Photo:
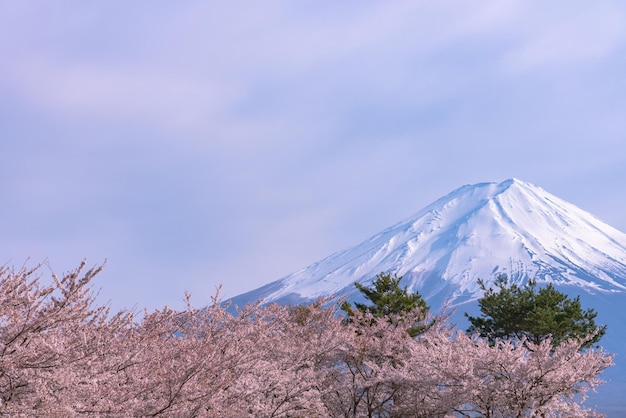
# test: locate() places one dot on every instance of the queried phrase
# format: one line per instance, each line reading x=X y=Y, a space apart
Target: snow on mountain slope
x=477 y=231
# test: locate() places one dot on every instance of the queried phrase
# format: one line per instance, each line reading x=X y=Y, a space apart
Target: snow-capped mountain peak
x=477 y=231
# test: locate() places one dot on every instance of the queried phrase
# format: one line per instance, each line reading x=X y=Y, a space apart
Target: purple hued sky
x=192 y=144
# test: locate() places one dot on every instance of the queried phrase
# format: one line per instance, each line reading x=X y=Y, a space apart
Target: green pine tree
x=511 y=311
x=389 y=300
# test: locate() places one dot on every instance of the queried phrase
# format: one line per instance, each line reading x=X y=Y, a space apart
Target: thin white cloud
x=561 y=36
x=118 y=94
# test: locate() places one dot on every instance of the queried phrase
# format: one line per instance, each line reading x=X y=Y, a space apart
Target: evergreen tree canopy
x=389 y=299
x=517 y=312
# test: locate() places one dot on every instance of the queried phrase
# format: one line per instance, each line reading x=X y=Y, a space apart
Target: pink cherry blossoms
x=60 y=355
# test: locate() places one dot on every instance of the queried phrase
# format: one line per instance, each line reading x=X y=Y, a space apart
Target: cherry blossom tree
x=519 y=378
x=294 y=351
x=49 y=334
x=61 y=355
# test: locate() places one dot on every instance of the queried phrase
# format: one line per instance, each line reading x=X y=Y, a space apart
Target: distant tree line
x=61 y=355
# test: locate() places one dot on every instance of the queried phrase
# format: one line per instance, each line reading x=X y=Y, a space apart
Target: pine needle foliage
x=389 y=300
x=513 y=312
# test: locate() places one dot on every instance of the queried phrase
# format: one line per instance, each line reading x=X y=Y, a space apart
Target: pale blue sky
x=198 y=143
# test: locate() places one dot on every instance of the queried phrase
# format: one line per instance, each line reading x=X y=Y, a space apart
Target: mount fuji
x=477 y=231
x=481 y=231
